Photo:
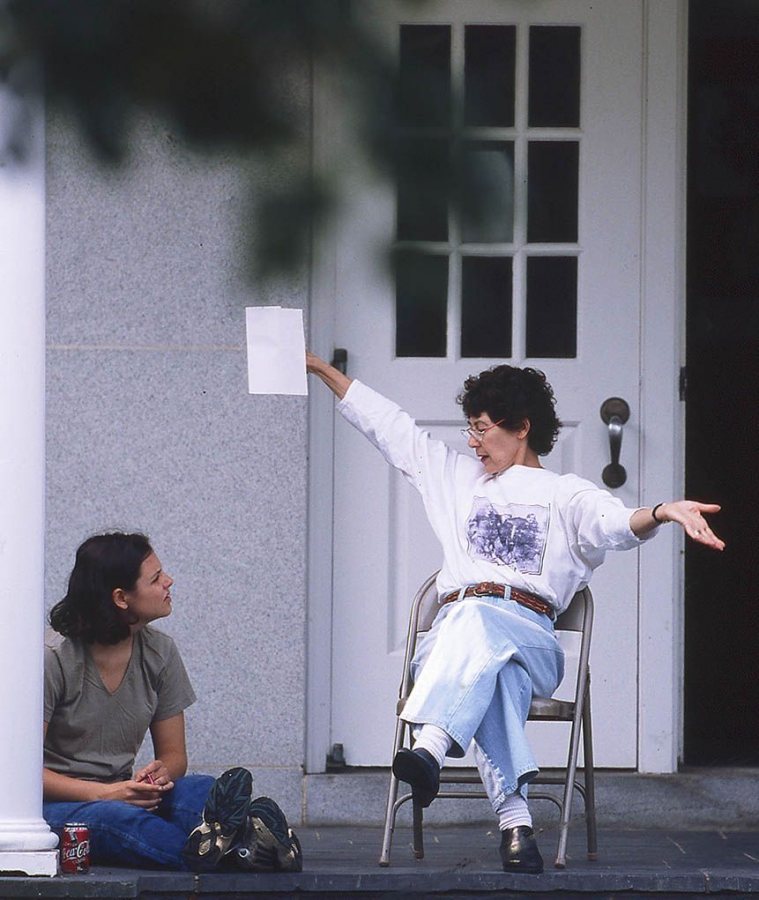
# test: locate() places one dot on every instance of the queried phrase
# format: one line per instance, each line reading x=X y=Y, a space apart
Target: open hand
x=690 y=515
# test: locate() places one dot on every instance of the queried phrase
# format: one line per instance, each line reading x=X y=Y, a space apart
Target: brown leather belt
x=493 y=589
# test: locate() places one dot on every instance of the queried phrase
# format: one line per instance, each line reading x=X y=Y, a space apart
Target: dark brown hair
x=103 y=563
x=510 y=395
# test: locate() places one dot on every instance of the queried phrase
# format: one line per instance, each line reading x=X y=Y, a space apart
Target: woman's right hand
x=335 y=380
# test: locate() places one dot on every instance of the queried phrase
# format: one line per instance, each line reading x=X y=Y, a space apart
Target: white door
x=544 y=108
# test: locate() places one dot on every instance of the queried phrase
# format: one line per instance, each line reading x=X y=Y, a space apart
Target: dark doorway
x=722 y=437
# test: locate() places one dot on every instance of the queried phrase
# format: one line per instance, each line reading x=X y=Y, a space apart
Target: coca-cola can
x=75 y=849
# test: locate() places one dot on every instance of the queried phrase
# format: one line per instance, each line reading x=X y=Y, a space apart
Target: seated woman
x=109 y=679
x=517 y=542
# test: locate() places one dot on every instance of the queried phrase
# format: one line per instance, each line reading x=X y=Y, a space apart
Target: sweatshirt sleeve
x=398 y=438
x=599 y=521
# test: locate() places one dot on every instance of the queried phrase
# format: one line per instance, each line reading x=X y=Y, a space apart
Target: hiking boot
x=224 y=816
x=268 y=844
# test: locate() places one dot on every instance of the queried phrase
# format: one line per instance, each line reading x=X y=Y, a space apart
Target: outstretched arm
x=687 y=513
x=403 y=444
x=335 y=380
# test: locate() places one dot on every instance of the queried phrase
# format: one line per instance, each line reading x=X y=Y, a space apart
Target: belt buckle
x=483 y=589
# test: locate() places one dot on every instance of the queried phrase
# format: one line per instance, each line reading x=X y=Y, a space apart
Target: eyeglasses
x=478 y=434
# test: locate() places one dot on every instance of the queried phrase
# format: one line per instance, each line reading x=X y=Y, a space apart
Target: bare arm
x=64 y=788
x=170 y=751
x=335 y=380
x=687 y=513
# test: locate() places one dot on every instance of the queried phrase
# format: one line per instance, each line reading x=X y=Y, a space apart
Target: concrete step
x=693 y=798
x=341 y=862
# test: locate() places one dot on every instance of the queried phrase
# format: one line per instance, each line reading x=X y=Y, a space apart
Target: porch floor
x=461 y=862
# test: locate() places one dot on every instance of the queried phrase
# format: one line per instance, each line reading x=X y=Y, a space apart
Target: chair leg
x=566 y=809
x=390 y=814
x=569 y=785
x=418 y=829
x=590 y=787
x=392 y=796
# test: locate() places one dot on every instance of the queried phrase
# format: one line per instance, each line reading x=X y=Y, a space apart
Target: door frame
x=662 y=269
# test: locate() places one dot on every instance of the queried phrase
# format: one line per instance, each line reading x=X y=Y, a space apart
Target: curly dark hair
x=512 y=395
x=103 y=563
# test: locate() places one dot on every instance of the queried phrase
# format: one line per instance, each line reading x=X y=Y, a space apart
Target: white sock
x=513 y=812
x=435 y=741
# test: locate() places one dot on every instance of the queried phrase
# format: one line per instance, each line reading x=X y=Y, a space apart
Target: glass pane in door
x=554 y=79
x=421 y=302
x=422 y=208
x=486 y=300
x=489 y=75
x=552 y=306
x=487 y=192
x=424 y=76
x=552 y=169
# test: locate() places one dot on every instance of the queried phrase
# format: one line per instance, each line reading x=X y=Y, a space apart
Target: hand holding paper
x=276 y=350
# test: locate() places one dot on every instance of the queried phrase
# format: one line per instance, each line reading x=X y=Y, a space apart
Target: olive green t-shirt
x=93 y=734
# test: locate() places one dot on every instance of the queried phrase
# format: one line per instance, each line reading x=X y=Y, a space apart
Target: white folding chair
x=577 y=618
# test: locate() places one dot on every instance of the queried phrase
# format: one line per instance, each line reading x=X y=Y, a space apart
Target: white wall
x=150 y=427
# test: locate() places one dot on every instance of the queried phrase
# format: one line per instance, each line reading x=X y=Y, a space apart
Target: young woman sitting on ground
x=109 y=677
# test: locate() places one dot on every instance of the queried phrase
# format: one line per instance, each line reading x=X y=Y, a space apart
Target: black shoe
x=519 y=851
x=419 y=769
x=268 y=844
x=224 y=815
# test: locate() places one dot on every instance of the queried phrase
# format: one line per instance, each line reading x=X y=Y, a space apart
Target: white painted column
x=26 y=843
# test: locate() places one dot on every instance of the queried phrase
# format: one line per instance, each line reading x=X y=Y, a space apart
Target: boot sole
x=224 y=813
x=287 y=854
x=407 y=767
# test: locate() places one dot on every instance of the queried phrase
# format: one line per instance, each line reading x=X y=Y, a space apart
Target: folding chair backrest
x=578 y=617
x=427 y=606
x=575 y=616
x=424 y=608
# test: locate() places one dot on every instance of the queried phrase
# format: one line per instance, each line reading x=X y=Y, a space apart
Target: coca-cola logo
x=77 y=851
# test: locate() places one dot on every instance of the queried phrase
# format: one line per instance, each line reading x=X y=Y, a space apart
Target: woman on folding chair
x=518 y=542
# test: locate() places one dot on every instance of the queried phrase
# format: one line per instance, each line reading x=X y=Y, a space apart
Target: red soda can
x=75 y=849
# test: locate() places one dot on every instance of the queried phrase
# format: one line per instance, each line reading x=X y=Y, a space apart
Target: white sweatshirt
x=525 y=527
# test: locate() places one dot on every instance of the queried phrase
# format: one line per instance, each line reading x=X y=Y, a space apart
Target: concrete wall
x=150 y=427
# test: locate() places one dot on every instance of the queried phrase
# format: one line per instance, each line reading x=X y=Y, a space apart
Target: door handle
x=615 y=412
x=340 y=359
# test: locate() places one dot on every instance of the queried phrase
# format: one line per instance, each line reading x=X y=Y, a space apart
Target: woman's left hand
x=690 y=515
x=155 y=773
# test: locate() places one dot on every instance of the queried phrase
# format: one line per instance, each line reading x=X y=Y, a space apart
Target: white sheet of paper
x=276 y=350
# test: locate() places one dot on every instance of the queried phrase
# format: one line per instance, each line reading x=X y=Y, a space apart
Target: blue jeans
x=126 y=835
x=475 y=673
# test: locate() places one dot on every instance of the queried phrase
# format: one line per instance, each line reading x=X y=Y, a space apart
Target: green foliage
x=224 y=75
x=216 y=70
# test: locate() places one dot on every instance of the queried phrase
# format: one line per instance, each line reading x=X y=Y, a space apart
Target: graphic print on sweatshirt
x=512 y=535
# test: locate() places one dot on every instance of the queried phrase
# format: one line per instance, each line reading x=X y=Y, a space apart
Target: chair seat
x=550 y=709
